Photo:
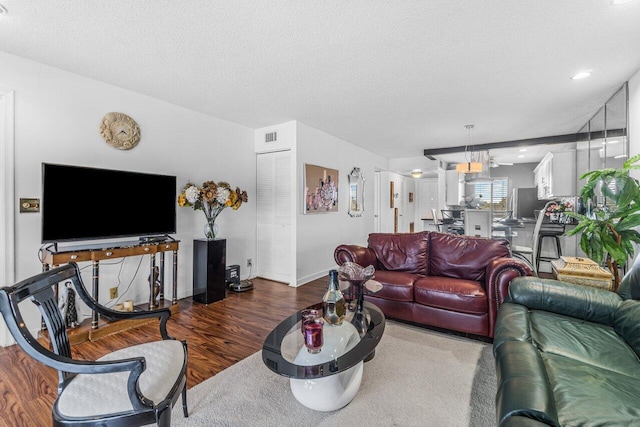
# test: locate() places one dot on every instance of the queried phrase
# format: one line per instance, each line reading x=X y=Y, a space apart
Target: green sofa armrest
x=523 y=386
x=519 y=421
x=569 y=299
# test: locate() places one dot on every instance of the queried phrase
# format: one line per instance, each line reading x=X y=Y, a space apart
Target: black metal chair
x=524 y=252
x=552 y=231
x=133 y=386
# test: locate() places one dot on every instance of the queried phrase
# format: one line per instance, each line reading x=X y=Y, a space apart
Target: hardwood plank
x=218 y=335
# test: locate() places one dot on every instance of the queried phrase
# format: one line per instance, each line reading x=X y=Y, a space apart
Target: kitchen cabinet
x=455 y=188
x=555 y=175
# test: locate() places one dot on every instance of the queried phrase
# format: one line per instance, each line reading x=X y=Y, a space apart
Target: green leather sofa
x=568 y=355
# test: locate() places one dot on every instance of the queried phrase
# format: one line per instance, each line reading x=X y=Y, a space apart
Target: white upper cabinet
x=555 y=175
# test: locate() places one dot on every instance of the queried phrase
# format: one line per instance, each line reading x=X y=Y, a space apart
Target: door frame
x=7 y=195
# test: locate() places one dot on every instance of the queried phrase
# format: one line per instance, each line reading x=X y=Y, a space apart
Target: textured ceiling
x=393 y=76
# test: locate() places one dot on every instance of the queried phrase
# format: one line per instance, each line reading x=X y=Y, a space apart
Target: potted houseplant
x=608 y=230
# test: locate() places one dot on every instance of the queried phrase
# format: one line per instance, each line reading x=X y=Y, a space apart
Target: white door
x=427 y=200
x=274 y=223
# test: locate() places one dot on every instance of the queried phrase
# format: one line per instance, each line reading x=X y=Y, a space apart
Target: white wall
x=57 y=115
x=520 y=175
x=319 y=234
x=634 y=119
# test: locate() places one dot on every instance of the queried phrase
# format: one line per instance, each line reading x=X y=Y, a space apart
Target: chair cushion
x=100 y=394
x=522 y=249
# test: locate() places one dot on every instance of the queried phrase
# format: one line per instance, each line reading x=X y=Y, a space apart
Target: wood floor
x=219 y=335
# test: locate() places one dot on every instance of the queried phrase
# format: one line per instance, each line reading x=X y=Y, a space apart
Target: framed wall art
x=320 y=189
x=356 y=192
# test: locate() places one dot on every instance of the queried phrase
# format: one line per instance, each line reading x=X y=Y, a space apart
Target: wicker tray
x=582 y=271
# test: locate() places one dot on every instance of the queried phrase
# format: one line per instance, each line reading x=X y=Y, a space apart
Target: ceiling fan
x=495 y=164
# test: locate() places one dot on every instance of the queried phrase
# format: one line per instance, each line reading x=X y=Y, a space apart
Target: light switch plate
x=29 y=205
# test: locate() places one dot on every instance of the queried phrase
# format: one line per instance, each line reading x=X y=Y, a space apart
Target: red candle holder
x=308 y=315
x=313 y=339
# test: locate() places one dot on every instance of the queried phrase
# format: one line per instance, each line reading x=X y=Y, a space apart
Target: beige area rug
x=418 y=377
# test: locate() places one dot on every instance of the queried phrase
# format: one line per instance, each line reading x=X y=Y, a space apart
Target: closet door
x=274 y=210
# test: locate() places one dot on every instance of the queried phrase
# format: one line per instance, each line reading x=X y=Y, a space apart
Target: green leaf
x=630 y=221
x=628 y=164
x=592 y=246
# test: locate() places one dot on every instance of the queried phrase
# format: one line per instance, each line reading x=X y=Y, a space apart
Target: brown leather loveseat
x=438 y=279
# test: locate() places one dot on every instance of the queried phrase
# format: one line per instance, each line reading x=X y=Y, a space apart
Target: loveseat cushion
x=405 y=252
x=396 y=285
x=589 y=343
x=592 y=343
x=588 y=395
x=465 y=296
x=463 y=257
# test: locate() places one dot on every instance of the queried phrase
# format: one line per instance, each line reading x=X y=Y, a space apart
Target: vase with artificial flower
x=556 y=212
x=211 y=198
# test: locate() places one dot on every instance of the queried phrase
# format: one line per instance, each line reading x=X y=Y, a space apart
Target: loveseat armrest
x=524 y=389
x=498 y=275
x=521 y=421
x=354 y=253
x=569 y=299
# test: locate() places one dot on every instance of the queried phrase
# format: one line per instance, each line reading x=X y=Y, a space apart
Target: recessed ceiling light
x=615 y=141
x=522 y=150
x=619 y=2
x=520 y=156
x=581 y=75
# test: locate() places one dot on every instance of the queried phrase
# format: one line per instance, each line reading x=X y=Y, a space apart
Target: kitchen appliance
x=524 y=201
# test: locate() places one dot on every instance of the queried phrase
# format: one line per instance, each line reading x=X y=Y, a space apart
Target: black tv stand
x=54 y=256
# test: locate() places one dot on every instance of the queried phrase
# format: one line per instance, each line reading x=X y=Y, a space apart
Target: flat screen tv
x=84 y=203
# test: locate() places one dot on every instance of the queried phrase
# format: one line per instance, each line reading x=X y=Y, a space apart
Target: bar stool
x=553 y=231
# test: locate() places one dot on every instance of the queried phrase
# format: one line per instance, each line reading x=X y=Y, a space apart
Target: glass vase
x=210 y=229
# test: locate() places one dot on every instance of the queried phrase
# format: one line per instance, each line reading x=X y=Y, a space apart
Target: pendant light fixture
x=470 y=166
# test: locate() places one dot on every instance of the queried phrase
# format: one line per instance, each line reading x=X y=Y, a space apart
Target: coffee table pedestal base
x=329 y=393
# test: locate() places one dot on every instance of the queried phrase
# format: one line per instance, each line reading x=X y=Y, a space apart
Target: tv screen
x=83 y=203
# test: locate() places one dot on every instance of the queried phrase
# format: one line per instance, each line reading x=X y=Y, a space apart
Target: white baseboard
x=311 y=277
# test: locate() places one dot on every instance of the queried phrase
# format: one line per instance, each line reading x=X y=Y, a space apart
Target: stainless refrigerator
x=524 y=201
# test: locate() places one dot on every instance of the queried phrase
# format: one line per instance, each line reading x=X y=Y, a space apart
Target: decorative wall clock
x=120 y=131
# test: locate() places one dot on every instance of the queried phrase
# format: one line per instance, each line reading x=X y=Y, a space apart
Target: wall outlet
x=249 y=262
x=113 y=292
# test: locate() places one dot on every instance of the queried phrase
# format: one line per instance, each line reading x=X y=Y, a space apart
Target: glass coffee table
x=328 y=380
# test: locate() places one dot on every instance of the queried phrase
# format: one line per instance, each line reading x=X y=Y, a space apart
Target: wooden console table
x=52 y=257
